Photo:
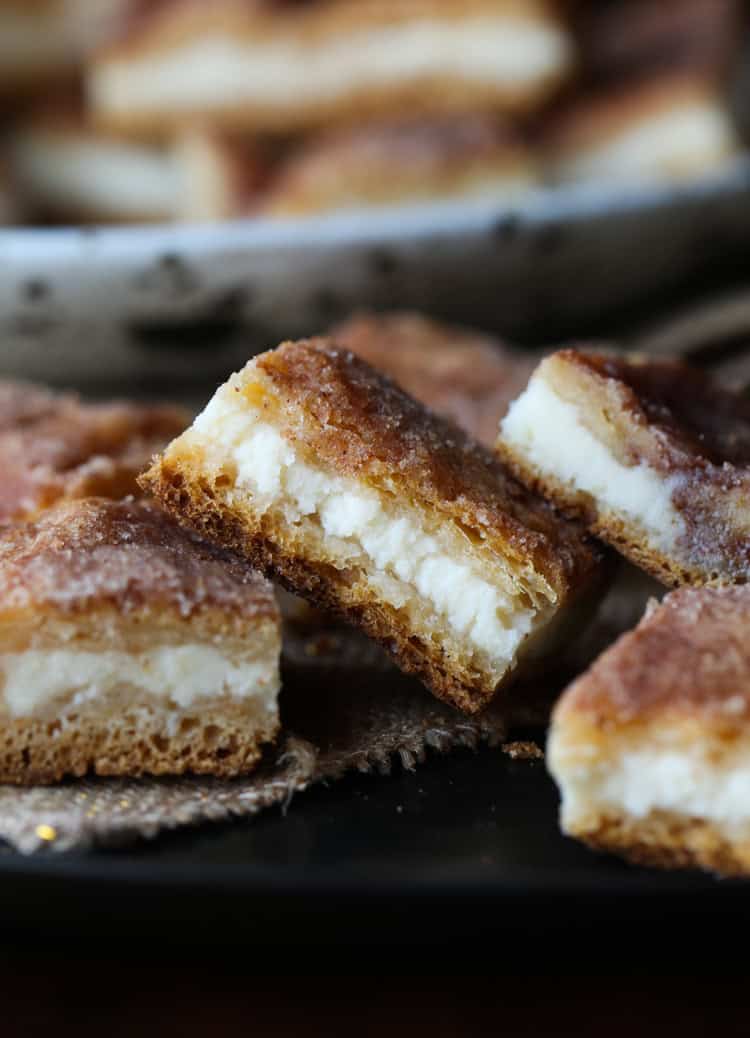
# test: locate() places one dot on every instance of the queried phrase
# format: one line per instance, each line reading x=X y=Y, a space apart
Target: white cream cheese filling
x=681 y=141
x=547 y=432
x=180 y=674
x=402 y=559
x=639 y=782
x=219 y=70
x=102 y=177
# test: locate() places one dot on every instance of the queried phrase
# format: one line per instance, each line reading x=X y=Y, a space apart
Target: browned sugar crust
x=56 y=447
x=363 y=425
x=670 y=841
x=688 y=657
x=460 y=374
x=700 y=419
x=681 y=423
x=175 y=23
x=95 y=555
x=360 y=424
x=222 y=741
x=397 y=159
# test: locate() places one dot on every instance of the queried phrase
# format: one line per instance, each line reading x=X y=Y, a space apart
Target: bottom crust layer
x=667 y=840
x=143 y=740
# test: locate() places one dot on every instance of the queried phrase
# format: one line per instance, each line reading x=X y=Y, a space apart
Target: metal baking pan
x=176 y=303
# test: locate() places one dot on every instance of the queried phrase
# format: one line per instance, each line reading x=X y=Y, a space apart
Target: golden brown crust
x=94 y=555
x=688 y=430
x=669 y=841
x=696 y=418
x=688 y=658
x=362 y=425
x=388 y=161
x=56 y=447
x=222 y=741
x=464 y=375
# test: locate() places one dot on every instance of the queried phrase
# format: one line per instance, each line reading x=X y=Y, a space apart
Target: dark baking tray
x=466 y=846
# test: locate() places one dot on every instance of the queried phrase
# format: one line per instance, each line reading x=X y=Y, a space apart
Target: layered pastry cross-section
x=459 y=373
x=651 y=747
x=127 y=647
x=265 y=65
x=323 y=473
x=54 y=446
x=652 y=455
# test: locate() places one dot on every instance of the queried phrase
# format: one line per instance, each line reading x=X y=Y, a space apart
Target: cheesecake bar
x=54 y=446
x=653 y=456
x=326 y=475
x=664 y=128
x=264 y=65
x=651 y=747
x=129 y=648
x=402 y=161
x=459 y=373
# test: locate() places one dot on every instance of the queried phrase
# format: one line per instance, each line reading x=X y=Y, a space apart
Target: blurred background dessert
x=195 y=112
